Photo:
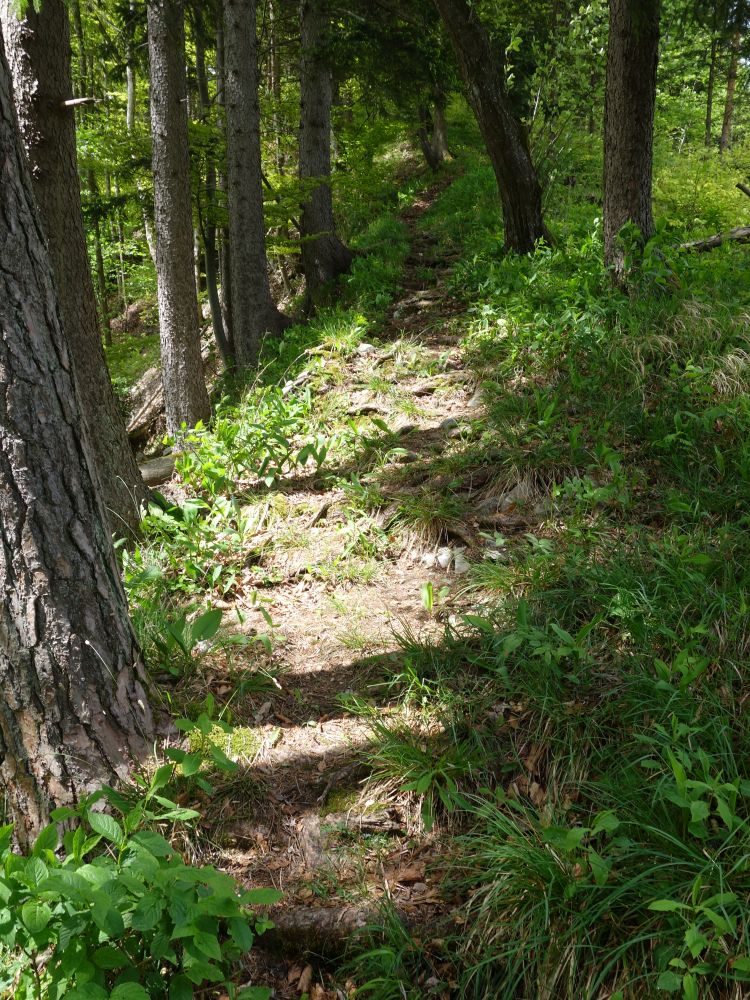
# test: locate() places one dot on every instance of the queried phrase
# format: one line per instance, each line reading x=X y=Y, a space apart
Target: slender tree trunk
x=324 y=256
x=726 y=128
x=630 y=97
x=40 y=60
x=225 y=270
x=101 y=276
x=208 y=220
x=710 y=91
x=275 y=78
x=74 y=712
x=254 y=312
x=130 y=83
x=83 y=63
x=182 y=367
x=507 y=146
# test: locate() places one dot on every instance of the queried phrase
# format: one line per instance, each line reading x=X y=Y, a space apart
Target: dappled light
x=374 y=487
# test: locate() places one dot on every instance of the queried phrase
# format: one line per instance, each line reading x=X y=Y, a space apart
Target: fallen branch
x=739 y=235
x=744 y=188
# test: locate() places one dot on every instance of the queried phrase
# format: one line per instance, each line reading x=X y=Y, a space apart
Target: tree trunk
x=130 y=79
x=254 y=312
x=324 y=256
x=225 y=271
x=208 y=220
x=630 y=97
x=39 y=52
x=74 y=712
x=520 y=192
x=433 y=135
x=710 y=91
x=726 y=129
x=185 y=393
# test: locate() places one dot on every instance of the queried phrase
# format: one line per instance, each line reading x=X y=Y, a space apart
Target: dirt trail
x=301 y=818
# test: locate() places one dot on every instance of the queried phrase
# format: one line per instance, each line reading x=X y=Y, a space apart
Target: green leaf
x=180 y=988
x=47 y=840
x=35 y=871
x=741 y=964
x=208 y=944
x=106 y=917
x=109 y=958
x=699 y=811
x=605 y=822
x=191 y=764
x=241 y=934
x=206 y=625
x=200 y=972
x=147 y=913
x=670 y=982
x=129 y=991
x=106 y=826
x=35 y=915
x=261 y=897
x=86 y=991
x=255 y=993
x=695 y=941
x=154 y=842
x=666 y=906
x=689 y=987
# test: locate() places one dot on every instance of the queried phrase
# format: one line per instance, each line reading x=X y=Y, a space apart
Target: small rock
x=448 y=424
x=460 y=563
x=444 y=558
x=476 y=400
x=365 y=348
x=429 y=559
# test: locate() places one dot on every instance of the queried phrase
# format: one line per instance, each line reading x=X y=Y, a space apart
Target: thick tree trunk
x=39 y=52
x=182 y=368
x=74 y=712
x=324 y=256
x=726 y=128
x=520 y=192
x=254 y=312
x=630 y=97
x=710 y=91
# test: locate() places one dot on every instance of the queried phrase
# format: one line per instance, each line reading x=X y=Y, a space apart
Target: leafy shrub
x=116 y=913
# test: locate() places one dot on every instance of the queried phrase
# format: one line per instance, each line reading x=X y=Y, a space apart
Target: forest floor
x=307 y=816
x=478 y=537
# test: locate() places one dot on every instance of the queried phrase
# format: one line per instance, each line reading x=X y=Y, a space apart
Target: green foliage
x=114 y=911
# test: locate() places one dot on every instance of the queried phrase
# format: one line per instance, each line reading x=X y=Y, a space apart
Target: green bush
x=115 y=912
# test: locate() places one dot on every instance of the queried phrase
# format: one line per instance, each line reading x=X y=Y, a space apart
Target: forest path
x=303 y=815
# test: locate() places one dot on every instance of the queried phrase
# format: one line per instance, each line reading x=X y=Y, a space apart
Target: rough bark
x=520 y=192
x=39 y=56
x=74 y=712
x=726 y=128
x=130 y=84
x=208 y=219
x=225 y=270
x=433 y=135
x=254 y=312
x=324 y=256
x=741 y=234
x=630 y=97
x=179 y=327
